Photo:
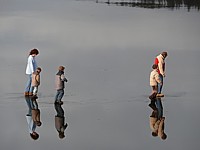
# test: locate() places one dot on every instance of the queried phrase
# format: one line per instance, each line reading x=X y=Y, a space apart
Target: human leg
x=159 y=107
x=160 y=85
x=59 y=96
x=28 y=84
x=154 y=93
x=35 y=90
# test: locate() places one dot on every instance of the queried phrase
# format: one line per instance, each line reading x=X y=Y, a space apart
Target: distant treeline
x=195 y=4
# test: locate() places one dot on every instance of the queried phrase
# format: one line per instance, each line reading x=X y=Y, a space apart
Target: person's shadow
x=60 y=124
x=156 y=119
x=32 y=116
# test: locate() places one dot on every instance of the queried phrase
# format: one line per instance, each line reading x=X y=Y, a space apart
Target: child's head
x=61 y=68
x=154 y=134
x=61 y=135
x=164 y=136
x=155 y=66
x=38 y=69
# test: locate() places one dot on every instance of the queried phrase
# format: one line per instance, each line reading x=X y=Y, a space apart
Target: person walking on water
x=60 y=85
x=160 y=61
x=30 y=68
x=154 y=81
x=36 y=81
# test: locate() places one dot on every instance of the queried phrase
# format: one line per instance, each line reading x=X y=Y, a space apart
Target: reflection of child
x=36 y=80
x=154 y=80
x=60 y=85
x=157 y=126
x=60 y=121
x=35 y=112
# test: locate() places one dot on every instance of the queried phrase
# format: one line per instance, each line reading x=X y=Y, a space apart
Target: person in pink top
x=160 y=61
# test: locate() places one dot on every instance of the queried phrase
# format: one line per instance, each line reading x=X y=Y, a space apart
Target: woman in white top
x=30 y=68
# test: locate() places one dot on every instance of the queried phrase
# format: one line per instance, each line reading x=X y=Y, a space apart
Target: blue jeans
x=160 y=85
x=159 y=107
x=28 y=87
x=28 y=101
x=59 y=110
x=59 y=95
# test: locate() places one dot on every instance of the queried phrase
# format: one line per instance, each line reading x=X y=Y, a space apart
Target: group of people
x=157 y=75
x=34 y=121
x=33 y=72
x=31 y=89
x=156 y=82
x=31 y=96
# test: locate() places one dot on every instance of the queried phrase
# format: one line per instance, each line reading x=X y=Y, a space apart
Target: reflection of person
x=60 y=85
x=60 y=121
x=152 y=121
x=154 y=80
x=36 y=81
x=30 y=68
x=159 y=107
x=35 y=112
x=31 y=124
x=156 y=119
x=160 y=124
x=160 y=61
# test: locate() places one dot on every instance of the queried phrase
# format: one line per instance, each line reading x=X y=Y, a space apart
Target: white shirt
x=31 y=65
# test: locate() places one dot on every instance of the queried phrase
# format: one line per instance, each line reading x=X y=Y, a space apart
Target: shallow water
x=108 y=52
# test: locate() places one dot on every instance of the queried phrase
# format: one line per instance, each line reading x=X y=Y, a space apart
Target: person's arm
x=30 y=64
x=62 y=77
x=31 y=125
x=157 y=78
x=156 y=61
x=38 y=79
x=161 y=69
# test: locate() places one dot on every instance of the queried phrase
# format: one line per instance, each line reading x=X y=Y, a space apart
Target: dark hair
x=61 y=68
x=34 y=51
x=34 y=136
x=154 y=134
x=61 y=135
x=164 y=54
x=154 y=66
x=164 y=136
x=38 y=68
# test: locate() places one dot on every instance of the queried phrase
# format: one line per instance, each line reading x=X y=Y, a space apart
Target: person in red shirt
x=160 y=61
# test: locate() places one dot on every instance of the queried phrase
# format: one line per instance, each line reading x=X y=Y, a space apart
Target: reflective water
x=108 y=52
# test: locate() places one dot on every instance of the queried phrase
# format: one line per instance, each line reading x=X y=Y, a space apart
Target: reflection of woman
x=31 y=124
x=60 y=120
x=30 y=68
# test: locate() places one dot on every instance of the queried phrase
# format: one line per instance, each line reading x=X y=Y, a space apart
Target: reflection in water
x=60 y=124
x=33 y=116
x=156 y=118
x=155 y=3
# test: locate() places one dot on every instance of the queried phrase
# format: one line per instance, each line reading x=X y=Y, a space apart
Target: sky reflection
x=108 y=53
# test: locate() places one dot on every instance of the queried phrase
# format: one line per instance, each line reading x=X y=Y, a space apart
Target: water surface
x=108 y=52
